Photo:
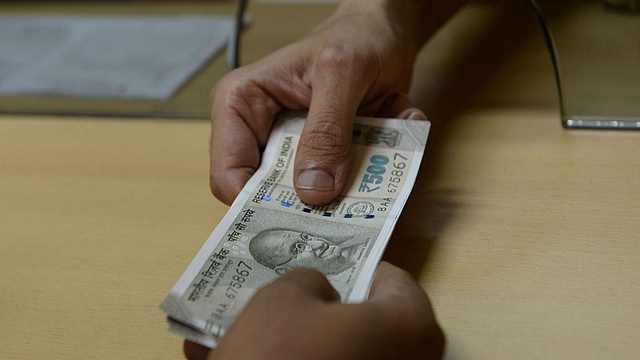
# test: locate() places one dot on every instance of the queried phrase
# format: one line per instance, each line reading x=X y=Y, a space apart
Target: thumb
x=400 y=298
x=275 y=315
x=300 y=284
x=394 y=285
x=322 y=162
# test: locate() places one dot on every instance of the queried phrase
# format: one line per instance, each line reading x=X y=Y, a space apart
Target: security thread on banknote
x=268 y=230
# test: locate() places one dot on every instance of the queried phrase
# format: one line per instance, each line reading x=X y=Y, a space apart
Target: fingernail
x=417 y=115
x=315 y=180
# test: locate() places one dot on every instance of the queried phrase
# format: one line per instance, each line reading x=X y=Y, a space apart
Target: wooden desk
x=525 y=235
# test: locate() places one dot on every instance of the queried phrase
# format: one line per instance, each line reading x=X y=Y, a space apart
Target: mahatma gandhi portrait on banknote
x=276 y=243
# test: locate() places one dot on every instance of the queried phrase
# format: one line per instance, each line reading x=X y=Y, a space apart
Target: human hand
x=358 y=61
x=299 y=316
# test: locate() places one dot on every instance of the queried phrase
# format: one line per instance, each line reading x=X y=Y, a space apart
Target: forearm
x=415 y=21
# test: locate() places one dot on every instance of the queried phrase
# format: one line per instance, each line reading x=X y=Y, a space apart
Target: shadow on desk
x=479 y=59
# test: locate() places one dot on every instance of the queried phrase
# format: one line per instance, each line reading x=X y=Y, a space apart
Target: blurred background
x=125 y=58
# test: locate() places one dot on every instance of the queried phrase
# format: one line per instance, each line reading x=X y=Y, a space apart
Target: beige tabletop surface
x=526 y=236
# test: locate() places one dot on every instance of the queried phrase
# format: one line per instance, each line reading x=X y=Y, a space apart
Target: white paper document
x=122 y=57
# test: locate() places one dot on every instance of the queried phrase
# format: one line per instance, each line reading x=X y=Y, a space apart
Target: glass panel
x=595 y=45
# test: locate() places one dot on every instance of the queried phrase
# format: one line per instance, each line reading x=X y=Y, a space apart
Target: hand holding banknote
x=299 y=316
x=269 y=231
x=357 y=61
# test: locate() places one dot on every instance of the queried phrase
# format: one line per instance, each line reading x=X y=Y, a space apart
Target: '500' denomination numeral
x=374 y=173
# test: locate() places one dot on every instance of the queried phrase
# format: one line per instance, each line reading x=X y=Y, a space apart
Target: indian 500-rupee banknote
x=268 y=230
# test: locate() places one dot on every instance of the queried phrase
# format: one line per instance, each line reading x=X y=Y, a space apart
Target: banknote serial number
x=378 y=164
x=399 y=165
x=238 y=279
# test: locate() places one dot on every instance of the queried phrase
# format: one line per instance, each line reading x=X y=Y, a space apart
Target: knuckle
x=224 y=94
x=222 y=87
x=229 y=89
x=326 y=138
x=336 y=57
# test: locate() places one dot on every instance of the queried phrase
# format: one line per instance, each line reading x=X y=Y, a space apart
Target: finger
x=241 y=119
x=274 y=317
x=322 y=161
x=193 y=351
x=399 y=297
x=392 y=284
x=300 y=284
x=393 y=105
x=412 y=114
x=234 y=158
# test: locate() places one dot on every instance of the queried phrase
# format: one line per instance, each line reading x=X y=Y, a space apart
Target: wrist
x=413 y=21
